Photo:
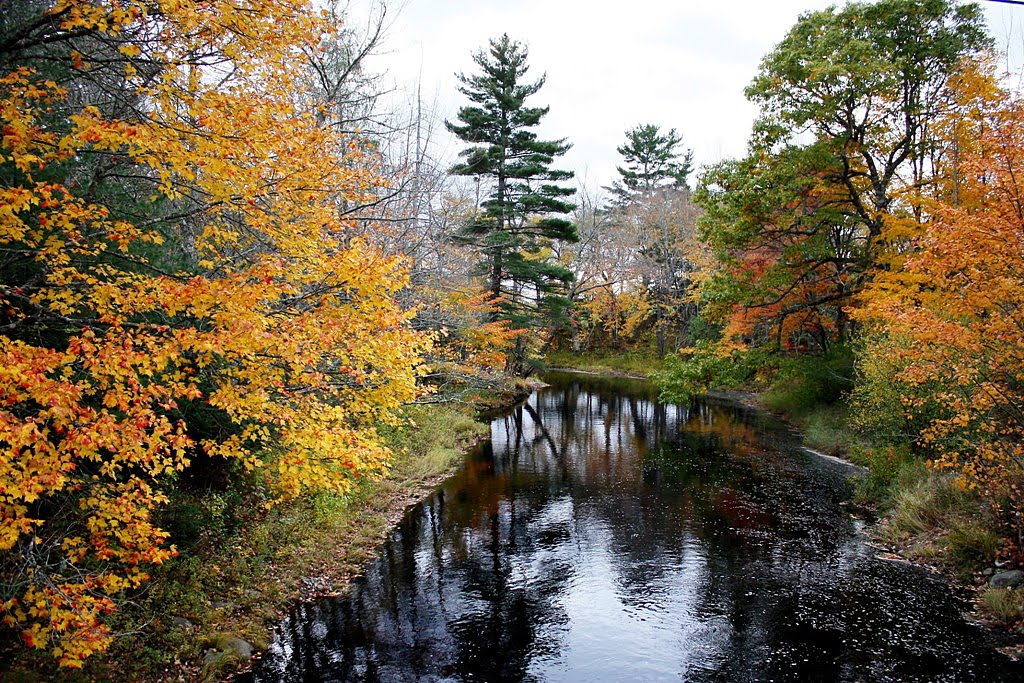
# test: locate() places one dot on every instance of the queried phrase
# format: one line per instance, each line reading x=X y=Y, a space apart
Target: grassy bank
x=608 y=362
x=242 y=564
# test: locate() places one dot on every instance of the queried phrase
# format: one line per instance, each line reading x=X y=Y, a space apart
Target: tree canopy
x=176 y=283
x=841 y=159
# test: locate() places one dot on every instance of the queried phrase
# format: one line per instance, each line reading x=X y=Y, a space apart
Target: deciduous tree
x=171 y=246
x=841 y=160
x=955 y=308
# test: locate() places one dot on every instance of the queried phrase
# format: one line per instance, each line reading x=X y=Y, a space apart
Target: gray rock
x=182 y=623
x=222 y=604
x=235 y=646
x=1007 y=579
x=313 y=584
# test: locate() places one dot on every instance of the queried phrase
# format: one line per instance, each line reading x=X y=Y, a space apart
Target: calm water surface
x=601 y=536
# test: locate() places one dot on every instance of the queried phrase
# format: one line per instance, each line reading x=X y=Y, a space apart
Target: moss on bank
x=242 y=564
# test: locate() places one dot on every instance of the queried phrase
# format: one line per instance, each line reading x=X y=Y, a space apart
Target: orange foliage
x=789 y=259
x=472 y=348
x=789 y=300
x=283 y=322
x=959 y=303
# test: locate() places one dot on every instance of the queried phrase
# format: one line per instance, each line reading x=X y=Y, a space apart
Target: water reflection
x=601 y=536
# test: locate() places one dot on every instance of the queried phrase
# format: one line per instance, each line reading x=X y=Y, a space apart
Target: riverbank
x=926 y=517
x=918 y=514
x=627 y=364
x=242 y=564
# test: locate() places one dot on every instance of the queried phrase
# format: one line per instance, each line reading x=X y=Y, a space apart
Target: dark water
x=601 y=536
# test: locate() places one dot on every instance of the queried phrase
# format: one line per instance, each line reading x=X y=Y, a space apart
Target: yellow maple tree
x=171 y=232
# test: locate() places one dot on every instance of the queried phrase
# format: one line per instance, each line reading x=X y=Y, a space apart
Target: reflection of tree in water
x=441 y=599
x=704 y=520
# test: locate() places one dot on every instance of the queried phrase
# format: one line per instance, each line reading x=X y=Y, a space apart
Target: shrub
x=806 y=382
x=707 y=366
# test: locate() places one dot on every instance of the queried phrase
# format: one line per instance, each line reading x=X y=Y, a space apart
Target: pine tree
x=524 y=208
x=651 y=199
x=652 y=162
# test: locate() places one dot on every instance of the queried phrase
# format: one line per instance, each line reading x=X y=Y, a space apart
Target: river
x=602 y=536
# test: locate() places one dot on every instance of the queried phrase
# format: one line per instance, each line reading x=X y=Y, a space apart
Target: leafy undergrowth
x=241 y=564
x=607 y=362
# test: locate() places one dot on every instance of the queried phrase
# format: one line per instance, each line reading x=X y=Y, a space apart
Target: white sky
x=613 y=64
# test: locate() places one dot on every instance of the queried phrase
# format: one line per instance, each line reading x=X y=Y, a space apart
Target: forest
x=228 y=272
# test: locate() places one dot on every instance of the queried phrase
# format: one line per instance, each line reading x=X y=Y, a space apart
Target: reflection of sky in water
x=656 y=626
x=603 y=537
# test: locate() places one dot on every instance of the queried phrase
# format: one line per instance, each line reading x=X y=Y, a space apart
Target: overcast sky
x=613 y=64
